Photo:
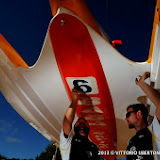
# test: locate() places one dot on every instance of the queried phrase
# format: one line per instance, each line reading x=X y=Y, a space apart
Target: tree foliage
x=2 y=157
x=48 y=154
x=5 y=158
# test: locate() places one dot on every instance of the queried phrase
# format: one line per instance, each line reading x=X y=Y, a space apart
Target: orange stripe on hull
x=79 y=63
x=155 y=23
x=11 y=53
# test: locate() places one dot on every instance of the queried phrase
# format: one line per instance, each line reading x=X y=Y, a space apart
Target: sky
x=24 y=24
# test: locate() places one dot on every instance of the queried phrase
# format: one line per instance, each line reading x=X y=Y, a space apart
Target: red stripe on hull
x=77 y=57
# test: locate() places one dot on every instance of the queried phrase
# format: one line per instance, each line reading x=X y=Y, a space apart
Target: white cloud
x=3 y=126
x=8 y=127
x=13 y=140
x=8 y=130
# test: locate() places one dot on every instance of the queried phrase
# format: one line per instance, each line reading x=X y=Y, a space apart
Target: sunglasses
x=129 y=113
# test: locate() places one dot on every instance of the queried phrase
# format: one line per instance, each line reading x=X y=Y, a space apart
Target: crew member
x=147 y=137
x=74 y=143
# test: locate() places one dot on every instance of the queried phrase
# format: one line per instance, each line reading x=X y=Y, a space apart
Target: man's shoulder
x=143 y=132
x=93 y=145
x=143 y=135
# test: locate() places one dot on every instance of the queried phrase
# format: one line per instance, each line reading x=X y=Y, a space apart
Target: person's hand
x=75 y=95
x=142 y=78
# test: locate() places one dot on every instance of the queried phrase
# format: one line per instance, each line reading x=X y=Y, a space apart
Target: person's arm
x=151 y=93
x=70 y=113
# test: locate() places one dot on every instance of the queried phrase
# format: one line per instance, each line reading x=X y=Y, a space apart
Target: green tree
x=2 y=157
x=48 y=154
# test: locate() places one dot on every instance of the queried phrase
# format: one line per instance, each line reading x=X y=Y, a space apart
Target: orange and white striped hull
x=74 y=54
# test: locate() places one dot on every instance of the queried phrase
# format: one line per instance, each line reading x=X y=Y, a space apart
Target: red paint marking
x=77 y=57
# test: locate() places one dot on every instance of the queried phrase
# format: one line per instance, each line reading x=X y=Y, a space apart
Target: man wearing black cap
x=74 y=144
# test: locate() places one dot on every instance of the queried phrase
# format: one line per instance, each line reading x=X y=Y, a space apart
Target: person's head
x=81 y=127
x=136 y=113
